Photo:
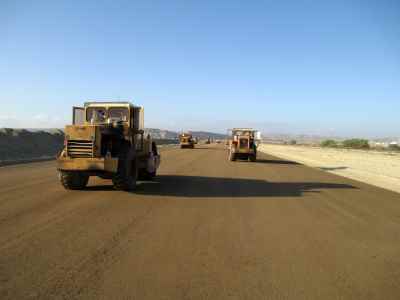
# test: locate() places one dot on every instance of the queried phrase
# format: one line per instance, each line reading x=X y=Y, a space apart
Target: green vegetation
x=394 y=147
x=356 y=144
x=350 y=144
x=293 y=142
x=329 y=143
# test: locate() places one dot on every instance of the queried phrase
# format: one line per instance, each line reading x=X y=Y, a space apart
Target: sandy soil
x=373 y=167
x=206 y=228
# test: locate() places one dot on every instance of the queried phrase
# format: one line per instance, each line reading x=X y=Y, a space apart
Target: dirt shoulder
x=372 y=167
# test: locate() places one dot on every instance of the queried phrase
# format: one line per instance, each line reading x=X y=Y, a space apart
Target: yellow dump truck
x=243 y=144
x=106 y=139
x=186 y=140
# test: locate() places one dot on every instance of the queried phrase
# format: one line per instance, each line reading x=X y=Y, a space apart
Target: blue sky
x=318 y=67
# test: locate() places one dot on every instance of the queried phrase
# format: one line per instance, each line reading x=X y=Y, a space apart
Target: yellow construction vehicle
x=243 y=144
x=186 y=140
x=106 y=139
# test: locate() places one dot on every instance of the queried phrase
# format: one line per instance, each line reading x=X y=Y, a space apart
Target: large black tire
x=127 y=172
x=252 y=157
x=72 y=180
x=232 y=156
x=151 y=175
x=145 y=175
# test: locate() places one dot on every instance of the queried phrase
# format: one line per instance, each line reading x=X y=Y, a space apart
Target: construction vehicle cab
x=107 y=140
x=186 y=140
x=243 y=144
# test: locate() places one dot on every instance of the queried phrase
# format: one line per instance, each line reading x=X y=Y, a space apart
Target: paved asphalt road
x=205 y=229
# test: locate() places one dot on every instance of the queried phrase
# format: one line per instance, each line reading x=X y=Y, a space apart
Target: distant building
x=379 y=144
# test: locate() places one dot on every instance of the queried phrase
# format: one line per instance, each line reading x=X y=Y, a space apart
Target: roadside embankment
x=23 y=146
x=373 y=167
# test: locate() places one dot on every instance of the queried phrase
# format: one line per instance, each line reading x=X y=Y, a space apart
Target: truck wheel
x=232 y=156
x=127 y=172
x=152 y=175
x=145 y=175
x=148 y=175
x=252 y=158
x=73 y=180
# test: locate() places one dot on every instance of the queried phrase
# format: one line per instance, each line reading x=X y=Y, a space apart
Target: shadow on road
x=198 y=186
x=277 y=161
x=208 y=148
x=333 y=168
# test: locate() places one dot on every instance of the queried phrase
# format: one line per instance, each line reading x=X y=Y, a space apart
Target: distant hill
x=166 y=134
x=161 y=134
x=206 y=134
x=299 y=138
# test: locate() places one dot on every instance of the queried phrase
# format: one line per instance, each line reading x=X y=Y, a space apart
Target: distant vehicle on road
x=186 y=140
x=243 y=144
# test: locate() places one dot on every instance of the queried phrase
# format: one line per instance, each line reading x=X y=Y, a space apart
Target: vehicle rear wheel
x=252 y=157
x=146 y=175
x=127 y=172
x=232 y=156
x=72 y=180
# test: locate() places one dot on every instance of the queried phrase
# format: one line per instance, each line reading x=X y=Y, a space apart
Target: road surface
x=205 y=229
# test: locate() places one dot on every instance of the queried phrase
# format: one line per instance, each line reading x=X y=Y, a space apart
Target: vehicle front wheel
x=146 y=175
x=72 y=180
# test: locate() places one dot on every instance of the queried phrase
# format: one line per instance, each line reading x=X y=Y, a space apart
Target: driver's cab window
x=96 y=115
x=118 y=114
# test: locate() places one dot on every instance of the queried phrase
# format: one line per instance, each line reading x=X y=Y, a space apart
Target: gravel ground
x=377 y=168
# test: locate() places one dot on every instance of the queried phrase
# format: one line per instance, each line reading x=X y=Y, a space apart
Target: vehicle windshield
x=96 y=114
x=242 y=132
x=118 y=114
x=101 y=115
